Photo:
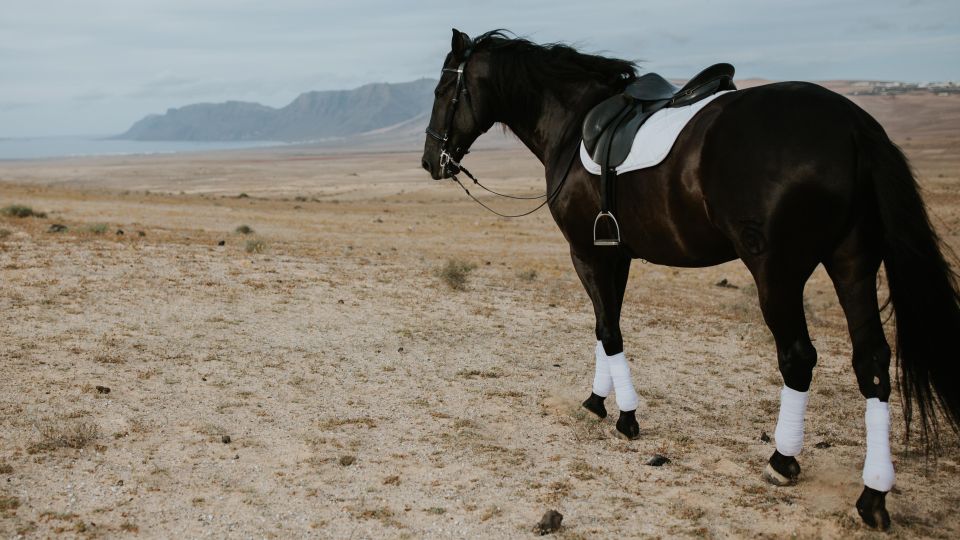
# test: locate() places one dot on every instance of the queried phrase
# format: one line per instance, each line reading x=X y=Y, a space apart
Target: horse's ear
x=460 y=43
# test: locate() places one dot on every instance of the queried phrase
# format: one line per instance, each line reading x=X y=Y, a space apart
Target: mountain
x=311 y=116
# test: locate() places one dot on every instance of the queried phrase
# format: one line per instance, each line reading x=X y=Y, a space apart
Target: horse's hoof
x=594 y=404
x=627 y=427
x=781 y=470
x=872 y=508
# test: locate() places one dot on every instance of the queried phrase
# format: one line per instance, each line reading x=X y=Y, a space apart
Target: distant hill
x=384 y=116
x=311 y=116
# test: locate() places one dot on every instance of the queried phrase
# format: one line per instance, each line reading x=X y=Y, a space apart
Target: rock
x=400 y=350
x=222 y=243
x=658 y=461
x=119 y=232
x=57 y=228
x=726 y=284
x=550 y=522
x=822 y=445
x=226 y=439
x=764 y=437
x=346 y=461
x=103 y=389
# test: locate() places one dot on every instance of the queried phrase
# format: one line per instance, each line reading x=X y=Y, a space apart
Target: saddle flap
x=600 y=118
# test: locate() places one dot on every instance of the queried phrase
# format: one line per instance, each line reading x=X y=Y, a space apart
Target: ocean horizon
x=70 y=146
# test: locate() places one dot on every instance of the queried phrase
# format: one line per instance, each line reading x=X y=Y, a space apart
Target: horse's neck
x=549 y=134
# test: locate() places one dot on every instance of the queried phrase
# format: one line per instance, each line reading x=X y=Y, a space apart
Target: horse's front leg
x=604 y=275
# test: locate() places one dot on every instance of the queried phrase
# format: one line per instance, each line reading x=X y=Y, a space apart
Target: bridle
x=449 y=164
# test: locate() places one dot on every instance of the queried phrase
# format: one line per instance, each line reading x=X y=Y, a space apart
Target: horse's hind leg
x=605 y=279
x=780 y=288
x=853 y=269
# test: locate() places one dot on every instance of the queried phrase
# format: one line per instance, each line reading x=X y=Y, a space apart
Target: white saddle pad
x=655 y=138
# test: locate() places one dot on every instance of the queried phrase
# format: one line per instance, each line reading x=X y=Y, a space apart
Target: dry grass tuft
x=255 y=245
x=8 y=504
x=60 y=434
x=96 y=228
x=527 y=275
x=243 y=229
x=21 y=211
x=454 y=273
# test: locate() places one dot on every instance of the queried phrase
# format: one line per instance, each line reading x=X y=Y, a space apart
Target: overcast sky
x=96 y=66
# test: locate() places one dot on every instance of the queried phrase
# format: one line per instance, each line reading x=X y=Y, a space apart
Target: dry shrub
x=96 y=228
x=527 y=275
x=59 y=434
x=454 y=273
x=255 y=245
x=8 y=505
x=243 y=229
x=21 y=211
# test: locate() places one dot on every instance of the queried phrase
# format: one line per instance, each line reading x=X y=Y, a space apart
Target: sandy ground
x=365 y=398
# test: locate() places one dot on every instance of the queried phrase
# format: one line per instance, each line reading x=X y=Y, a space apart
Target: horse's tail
x=923 y=290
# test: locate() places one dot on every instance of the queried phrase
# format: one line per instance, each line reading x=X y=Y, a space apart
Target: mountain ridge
x=311 y=116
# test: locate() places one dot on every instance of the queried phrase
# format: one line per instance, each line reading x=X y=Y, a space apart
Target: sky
x=96 y=66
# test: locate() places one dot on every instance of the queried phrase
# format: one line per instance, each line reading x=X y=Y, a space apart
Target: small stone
x=120 y=482
x=400 y=349
x=764 y=437
x=556 y=365
x=222 y=243
x=346 y=461
x=658 y=461
x=226 y=439
x=119 y=232
x=57 y=228
x=822 y=445
x=236 y=456
x=102 y=389
x=726 y=284
x=339 y=301
x=550 y=522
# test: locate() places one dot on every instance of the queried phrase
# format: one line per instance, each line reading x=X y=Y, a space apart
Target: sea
x=83 y=146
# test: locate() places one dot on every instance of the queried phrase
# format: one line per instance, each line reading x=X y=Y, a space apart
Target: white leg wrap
x=789 y=433
x=602 y=381
x=620 y=372
x=878 y=466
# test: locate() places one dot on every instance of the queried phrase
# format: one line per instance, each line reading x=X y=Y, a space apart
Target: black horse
x=784 y=176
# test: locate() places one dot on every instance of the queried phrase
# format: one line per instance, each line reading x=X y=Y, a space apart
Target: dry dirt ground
x=362 y=397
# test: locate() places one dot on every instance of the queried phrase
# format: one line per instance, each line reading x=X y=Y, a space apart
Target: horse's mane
x=520 y=63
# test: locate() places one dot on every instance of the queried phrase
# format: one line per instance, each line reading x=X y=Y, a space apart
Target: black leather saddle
x=611 y=126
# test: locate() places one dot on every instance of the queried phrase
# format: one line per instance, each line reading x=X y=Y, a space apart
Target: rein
x=546 y=197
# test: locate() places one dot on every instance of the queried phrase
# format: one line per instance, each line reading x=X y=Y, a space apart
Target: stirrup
x=606 y=241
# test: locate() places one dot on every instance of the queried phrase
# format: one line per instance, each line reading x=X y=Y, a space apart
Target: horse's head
x=459 y=115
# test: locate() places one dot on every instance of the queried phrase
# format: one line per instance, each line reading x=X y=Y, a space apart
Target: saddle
x=611 y=126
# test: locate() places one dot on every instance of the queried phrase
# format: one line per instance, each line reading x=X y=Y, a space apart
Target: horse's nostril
x=425 y=163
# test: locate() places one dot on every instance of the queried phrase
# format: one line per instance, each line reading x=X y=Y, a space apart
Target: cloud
x=118 y=61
